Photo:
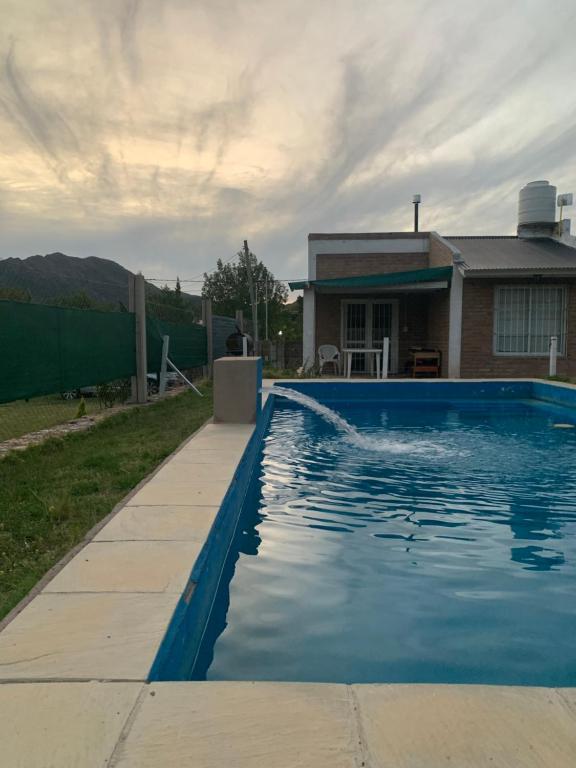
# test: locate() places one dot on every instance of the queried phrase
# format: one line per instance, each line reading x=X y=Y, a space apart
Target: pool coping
x=53 y=649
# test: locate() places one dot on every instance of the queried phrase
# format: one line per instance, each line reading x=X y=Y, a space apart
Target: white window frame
x=530 y=288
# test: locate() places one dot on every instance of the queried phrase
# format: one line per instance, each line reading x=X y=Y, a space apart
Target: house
x=488 y=304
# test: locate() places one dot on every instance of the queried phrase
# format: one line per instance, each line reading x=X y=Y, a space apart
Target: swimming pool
x=442 y=549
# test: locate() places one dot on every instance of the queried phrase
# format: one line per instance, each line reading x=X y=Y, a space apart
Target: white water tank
x=537 y=204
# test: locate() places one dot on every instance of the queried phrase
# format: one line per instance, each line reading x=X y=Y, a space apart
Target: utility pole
x=252 y=296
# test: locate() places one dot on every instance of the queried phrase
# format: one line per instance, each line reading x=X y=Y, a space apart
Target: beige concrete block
x=62 y=725
x=85 y=636
x=128 y=566
x=236 y=384
x=159 y=524
x=428 y=726
x=241 y=725
x=205 y=493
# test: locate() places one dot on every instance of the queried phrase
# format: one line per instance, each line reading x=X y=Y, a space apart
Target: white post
x=309 y=332
x=163 y=365
x=244 y=346
x=553 y=355
x=455 y=324
x=385 y=357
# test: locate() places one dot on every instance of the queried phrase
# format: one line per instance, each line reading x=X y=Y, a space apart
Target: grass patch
x=52 y=494
x=21 y=417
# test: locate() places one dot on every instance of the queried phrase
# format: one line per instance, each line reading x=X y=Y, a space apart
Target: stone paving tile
x=217 y=439
x=193 y=473
x=62 y=725
x=128 y=566
x=197 y=493
x=85 y=636
x=428 y=726
x=161 y=523
x=241 y=725
x=225 y=456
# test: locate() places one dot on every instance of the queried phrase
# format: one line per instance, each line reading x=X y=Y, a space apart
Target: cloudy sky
x=161 y=133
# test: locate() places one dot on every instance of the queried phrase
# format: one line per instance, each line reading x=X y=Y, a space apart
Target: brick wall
x=478 y=360
x=329 y=265
x=438 y=325
x=440 y=255
x=413 y=317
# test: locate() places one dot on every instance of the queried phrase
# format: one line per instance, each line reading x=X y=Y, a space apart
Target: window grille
x=525 y=317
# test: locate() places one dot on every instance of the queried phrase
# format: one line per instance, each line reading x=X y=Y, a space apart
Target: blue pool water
x=447 y=556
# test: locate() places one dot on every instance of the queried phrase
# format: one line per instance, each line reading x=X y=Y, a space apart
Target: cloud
x=162 y=132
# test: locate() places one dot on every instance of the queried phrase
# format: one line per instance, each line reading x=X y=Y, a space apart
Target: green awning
x=432 y=275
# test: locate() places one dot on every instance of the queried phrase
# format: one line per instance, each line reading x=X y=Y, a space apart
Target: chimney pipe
x=416 y=201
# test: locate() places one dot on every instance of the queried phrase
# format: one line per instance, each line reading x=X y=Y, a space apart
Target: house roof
x=496 y=253
x=368 y=235
x=369 y=281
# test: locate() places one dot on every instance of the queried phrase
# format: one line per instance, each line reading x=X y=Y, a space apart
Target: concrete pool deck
x=75 y=661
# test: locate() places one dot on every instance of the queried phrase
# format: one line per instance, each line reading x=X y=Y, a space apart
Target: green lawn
x=52 y=494
x=21 y=417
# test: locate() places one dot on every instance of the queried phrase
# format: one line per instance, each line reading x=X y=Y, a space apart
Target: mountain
x=56 y=276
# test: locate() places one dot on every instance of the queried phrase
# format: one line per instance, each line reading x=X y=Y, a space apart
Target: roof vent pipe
x=537 y=210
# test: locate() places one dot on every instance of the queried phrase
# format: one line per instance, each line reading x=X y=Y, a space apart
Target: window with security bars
x=525 y=317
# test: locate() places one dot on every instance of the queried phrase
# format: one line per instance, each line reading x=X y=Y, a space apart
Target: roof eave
x=521 y=272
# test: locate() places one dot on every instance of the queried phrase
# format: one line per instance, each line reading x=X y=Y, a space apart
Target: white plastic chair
x=329 y=353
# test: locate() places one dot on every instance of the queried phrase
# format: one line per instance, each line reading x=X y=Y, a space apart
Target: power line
x=192 y=280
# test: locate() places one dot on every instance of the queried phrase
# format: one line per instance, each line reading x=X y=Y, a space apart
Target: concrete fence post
x=553 y=355
x=137 y=305
x=240 y=319
x=207 y=322
x=163 y=365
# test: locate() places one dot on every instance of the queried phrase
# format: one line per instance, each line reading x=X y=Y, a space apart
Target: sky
x=162 y=133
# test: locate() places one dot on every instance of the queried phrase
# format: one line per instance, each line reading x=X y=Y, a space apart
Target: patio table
x=348 y=352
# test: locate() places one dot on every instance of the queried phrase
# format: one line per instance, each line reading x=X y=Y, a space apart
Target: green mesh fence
x=187 y=346
x=46 y=349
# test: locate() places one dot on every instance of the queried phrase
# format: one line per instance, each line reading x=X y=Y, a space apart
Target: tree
x=172 y=305
x=80 y=300
x=15 y=294
x=228 y=287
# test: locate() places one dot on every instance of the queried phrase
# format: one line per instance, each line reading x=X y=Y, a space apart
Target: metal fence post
x=207 y=322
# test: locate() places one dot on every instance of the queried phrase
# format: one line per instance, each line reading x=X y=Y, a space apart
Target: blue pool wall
x=178 y=650
x=177 y=654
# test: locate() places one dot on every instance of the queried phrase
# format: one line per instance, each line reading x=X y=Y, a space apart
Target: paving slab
x=160 y=523
x=128 y=566
x=62 y=725
x=85 y=636
x=217 y=439
x=200 y=493
x=241 y=725
x=195 y=473
x=225 y=455
x=428 y=726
